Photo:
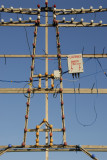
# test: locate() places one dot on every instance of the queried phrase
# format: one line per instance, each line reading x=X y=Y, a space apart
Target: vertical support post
x=46 y=69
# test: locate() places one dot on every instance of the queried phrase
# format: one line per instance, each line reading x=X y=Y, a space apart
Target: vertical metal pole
x=46 y=83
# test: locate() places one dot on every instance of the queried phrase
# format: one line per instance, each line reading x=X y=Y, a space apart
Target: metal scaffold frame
x=48 y=147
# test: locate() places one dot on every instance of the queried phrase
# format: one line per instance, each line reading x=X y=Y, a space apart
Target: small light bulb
x=82 y=9
x=11 y=20
x=11 y=8
x=20 y=9
x=30 y=18
x=100 y=7
x=54 y=16
x=20 y=19
x=72 y=9
x=2 y=7
x=39 y=17
x=54 y=6
x=54 y=9
x=82 y=20
x=63 y=10
x=30 y=9
x=72 y=19
x=100 y=22
x=38 y=9
x=63 y=18
x=91 y=7
x=92 y=21
x=2 y=20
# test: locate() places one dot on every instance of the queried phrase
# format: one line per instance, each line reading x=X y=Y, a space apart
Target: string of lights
x=53 y=8
x=36 y=80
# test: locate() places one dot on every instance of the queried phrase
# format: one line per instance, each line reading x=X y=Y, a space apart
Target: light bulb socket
x=20 y=19
x=20 y=9
x=2 y=7
x=11 y=20
x=91 y=8
x=72 y=20
x=72 y=9
x=11 y=9
x=30 y=19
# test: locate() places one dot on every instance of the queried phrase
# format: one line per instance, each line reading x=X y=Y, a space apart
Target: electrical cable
x=92 y=74
x=7 y=81
x=64 y=72
x=27 y=38
x=55 y=94
x=101 y=67
x=82 y=50
x=10 y=81
x=96 y=79
x=5 y=59
x=82 y=124
x=103 y=49
x=100 y=64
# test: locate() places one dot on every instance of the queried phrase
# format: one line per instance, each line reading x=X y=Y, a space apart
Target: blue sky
x=73 y=40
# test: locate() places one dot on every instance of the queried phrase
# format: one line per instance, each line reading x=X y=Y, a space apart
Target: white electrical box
x=75 y=63
x=56 y=74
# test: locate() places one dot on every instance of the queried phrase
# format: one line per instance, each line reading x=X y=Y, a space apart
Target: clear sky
x=80 y=110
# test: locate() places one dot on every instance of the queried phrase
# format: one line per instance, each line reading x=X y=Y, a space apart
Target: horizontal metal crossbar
x=34 y=148
x=74 y=24
x=50 y=9
x=56 y=90
x=44 y=130
x=104 y=55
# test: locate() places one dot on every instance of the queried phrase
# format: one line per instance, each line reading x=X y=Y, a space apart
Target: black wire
x=27 y=41
x=100 y=64
x=44 y=51
x=65 y=72
x=27 y=38
x=55 y=94
x=75 y=17
x=103 y=50
x=82 y=50
x=5 y=59
x=36 y=80
x=82 y=124
x=101 y=67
